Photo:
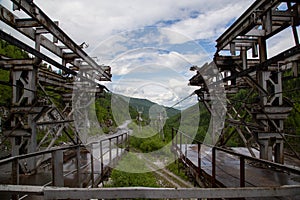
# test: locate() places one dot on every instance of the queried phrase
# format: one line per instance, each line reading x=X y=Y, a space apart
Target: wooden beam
x=36 y=13
x=26 y=23
x=10 y=19
x=172 y=193
x=153 y=193
x=245 y=23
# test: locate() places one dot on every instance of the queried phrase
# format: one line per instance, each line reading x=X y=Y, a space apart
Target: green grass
x=146 y=140
x=121 y=176
x=179 y=169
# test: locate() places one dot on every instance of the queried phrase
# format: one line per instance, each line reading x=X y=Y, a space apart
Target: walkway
x=228 y=168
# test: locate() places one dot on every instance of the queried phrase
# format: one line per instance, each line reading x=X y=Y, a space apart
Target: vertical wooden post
x=186 y=147
x=199 y=159
x=78 y=166
x=173 y=148
x=128 y=141
x=57 y=168
x=262 y=49
x=15 y=176
x=278 y=152
x=180 y=145
x=15 y=172
x=213 y=171
x=122 y=139
x=117 y=147
x=172 y=137
x=110 y=158
x=176 y=141
x=92 y=164
x=244 y=57
x=101 y=159
x=242 y=171
x=294 y=25
x=232 y=49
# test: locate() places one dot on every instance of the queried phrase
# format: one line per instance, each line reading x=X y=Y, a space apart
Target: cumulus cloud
x=282 y=41
x=209 y=24
x=90 y=19
x=150 y=45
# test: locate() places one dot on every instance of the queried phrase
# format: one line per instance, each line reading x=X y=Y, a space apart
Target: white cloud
x=280 y=42
x=92 y=20
x=159 y=57
x=165 y=87
x=209 y=24
x=174 y=36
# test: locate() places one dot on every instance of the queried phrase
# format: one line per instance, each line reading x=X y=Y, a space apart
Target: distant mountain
x=126 y=108
x=193 y=119
x=145 y=105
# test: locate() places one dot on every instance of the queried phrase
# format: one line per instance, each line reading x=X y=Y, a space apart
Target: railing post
x=15 y=172
x=110 y=158
x=117 y=147
x=176 y=141
x=122 y=139
x=101 y=159
x=128 y=142
x=185 y=151
x=173 y=148
x=78 y=166
x=180 y=142
x=15 y=176
x=213 y=171
x=242 y=171
x=121 y=143
x=57 y=168
x=199 y=158
x=92 y=165
x=172 y=137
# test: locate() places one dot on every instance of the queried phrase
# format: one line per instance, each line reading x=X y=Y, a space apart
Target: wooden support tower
x=30 y=111
x=242 y=58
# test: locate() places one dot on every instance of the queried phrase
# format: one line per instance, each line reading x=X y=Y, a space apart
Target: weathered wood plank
x=158 y=193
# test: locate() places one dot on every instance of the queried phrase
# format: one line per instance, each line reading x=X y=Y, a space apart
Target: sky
x=150 y=45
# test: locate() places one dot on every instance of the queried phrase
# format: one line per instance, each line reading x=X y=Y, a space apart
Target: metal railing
x=242 y=158
x=117 y=139
x=158 y=193
x=57 y=161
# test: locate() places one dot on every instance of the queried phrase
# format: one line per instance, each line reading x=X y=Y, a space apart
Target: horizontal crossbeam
x=151 y=193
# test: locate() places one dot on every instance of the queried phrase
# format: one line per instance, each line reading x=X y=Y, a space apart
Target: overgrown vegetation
x=241 y=101
x=178 y=168
x=145 y=140
x=104 y=113
x=291 y=89
x=9 y=51
x=193 y=113
x=123 y=175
